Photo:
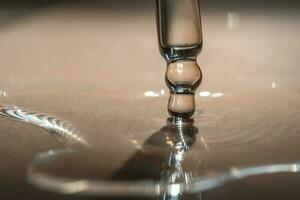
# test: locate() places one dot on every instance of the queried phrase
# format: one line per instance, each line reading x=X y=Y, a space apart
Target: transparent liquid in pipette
x=180 y=41
x=182 y=77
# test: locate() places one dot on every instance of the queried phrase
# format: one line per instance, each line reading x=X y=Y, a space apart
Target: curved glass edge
x=150 y=188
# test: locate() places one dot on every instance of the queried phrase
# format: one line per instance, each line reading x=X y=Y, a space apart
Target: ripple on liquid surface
x=219 y=125
x=248 y=117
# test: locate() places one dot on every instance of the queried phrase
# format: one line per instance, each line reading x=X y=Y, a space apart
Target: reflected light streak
x=3 y=93
x=75 y=187
x=208 y=93
x=61 y=129
x=204 y=93
x=174 y=189
x=234 y=174
x=151 y=94
x=147 y=187
x=194 y=183
x=134 y=141
x=232 y=20
x=136 y=144
x=217 y=95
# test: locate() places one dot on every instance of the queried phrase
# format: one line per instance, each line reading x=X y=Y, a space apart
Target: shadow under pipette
x=165 y=147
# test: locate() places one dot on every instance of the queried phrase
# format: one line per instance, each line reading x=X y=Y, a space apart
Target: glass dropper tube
x=180 y=41
x=179 y=29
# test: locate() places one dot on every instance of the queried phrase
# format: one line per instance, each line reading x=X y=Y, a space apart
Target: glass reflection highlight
x=61 y=129
x=3 y=93
x=155 y=170
x=217 y=95
x=181 y=136
x=232 y=21
x=204 y=93
x=151 y=94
